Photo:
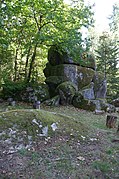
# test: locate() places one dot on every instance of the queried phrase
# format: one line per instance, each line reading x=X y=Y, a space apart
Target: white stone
x=54 y=126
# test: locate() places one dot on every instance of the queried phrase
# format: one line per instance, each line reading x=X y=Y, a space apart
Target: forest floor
x=80 y=146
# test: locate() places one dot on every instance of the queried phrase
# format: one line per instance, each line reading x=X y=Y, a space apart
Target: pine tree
x=107 y=61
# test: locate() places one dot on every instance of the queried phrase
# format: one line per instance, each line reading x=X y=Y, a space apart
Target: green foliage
x=13 y=89
x=107 y=62
x=29 y=27
x=114 y=19
x=102 y=166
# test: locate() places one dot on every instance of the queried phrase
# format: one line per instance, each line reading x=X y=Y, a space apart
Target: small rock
x=44 y=131
x=36 y=105
x=99 y=111
x=81 y=158
x=54 y=126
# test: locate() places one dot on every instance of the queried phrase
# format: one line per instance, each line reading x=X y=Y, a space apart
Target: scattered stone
x=11 y=101
x=83 y=137
x=81 y=158
x=54 y=126
x=2 y=133
x=115 y=102
x=53 y=101
x=36 y=105
x=111 y=108
x=93 y=139
x=98 y=112
x=35 y=122
x=44 y=132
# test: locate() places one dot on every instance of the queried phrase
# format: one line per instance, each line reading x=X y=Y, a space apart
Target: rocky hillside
x=56 y=142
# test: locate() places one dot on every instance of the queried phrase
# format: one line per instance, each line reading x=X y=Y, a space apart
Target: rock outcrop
x=62 y=74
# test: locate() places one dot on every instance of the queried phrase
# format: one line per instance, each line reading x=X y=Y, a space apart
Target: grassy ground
x=79 y=147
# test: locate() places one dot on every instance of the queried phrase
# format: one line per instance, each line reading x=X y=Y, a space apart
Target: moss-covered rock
x=100 y=86
x=80 y=102
x=88 y=91
x=40 y=92
x=55 y=101
x=79 y=76
x=66 y=91
x=53 y=82
x=106 y=106
x=88 y=60
x=57 y=56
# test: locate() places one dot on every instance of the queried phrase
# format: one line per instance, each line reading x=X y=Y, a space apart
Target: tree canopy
x=107 y=62
x=29 y=27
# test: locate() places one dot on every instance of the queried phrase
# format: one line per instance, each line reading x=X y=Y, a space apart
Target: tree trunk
x=111 y=121
x=31 y=64
x=118 y=128
x=15 y=65
x=27 y=60
x=20 y=71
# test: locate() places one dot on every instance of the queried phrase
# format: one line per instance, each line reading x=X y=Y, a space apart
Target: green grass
x=102 y=166
x=80 y=147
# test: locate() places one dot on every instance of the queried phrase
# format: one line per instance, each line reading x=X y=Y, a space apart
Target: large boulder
x=80 y=102
x=104 y=106
x=63 y=73
x=66 y=91
x=57 y=56
x=100 y=86
x=88 y=91
x=88 y=60
x=55 y=101
x=53 y=82
x=79 y=76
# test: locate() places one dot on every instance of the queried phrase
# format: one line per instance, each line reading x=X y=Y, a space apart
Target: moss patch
x=80 y=102
x=23 y=121
x=72 y=151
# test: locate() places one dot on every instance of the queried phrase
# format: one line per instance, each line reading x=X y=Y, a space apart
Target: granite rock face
x=100 y=86
x=80 y=102
x=57 y=56
x=66 y=91
x=62 y=72
x=79 y=76
x=88 y=92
